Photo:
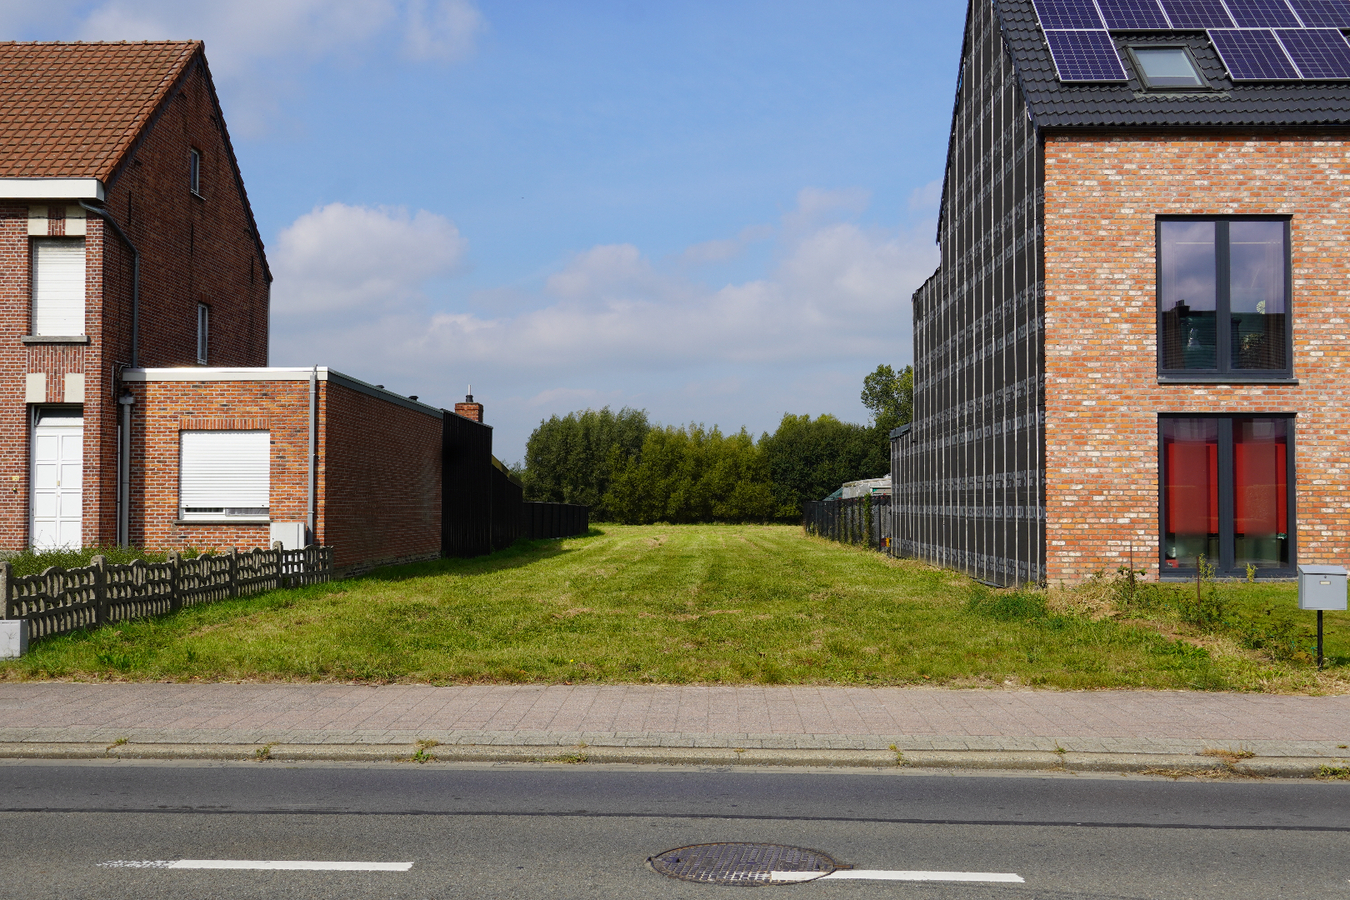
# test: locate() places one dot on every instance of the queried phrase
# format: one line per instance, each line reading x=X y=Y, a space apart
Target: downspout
x=126 y=402
x=310 y=516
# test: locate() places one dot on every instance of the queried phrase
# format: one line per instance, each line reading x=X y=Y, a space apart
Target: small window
x=1224 y=290
x=224 y=475
x=1228 y=493
x=195 y=172
x=1167 y=67
x=58 y=287
x=203 y=331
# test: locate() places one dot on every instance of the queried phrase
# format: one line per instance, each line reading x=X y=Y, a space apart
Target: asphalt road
x=585 y=831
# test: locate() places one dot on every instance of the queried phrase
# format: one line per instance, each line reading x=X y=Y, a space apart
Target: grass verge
x=663 y=604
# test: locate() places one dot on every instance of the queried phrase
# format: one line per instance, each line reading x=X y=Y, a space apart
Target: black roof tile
x=1059 y=105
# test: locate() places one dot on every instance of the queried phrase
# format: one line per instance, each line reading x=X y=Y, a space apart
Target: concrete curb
x=1069 y=762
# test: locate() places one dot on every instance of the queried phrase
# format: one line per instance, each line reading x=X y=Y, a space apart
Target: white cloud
x=354 y=259
x=259 y=48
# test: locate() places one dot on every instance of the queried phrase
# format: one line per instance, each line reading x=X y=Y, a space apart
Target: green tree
x=692 y=474
x=810 y=458
x=889 y=395
x=571 y=459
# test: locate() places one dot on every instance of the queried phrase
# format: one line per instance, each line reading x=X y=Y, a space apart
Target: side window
x=58 y=286
x=195 y=172
x=1227 y=493
x=224 y=475
x=203 y=332
x=1224 y=298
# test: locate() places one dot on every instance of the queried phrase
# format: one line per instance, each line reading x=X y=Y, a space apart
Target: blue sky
x=714 y=211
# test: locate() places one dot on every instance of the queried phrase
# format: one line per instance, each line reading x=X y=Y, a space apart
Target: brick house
x=1134 y=349
x=126 y=239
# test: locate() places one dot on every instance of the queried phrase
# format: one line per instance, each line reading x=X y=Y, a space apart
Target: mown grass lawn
x=669 y=604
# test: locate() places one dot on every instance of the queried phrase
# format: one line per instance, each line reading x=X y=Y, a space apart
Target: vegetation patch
x=706 y=604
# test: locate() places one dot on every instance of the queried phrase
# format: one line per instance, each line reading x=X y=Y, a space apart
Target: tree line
x=630 y=470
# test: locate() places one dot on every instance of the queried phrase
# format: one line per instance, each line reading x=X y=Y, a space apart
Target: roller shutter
x=224 y=474
x=58 y=287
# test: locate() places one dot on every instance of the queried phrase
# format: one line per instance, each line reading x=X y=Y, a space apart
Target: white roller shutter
x=58 y=287
x=224 y=474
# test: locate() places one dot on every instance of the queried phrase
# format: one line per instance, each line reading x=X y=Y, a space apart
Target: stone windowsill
x=55 y=339
x=237 y=521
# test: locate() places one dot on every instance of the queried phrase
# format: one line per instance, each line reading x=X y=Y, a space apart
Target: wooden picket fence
x=63 y=600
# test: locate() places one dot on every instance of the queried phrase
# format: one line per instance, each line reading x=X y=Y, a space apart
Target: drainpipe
x=313 y=451
x=126 y=401
x=135 y=278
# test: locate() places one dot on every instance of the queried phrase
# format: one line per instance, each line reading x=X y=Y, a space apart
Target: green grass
x=665 y=604
x=35 y=562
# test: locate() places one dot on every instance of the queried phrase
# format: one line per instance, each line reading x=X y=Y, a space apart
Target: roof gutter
x=52 y=189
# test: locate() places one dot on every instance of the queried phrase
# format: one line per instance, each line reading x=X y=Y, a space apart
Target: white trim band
x=51 y=189
x=288 y=865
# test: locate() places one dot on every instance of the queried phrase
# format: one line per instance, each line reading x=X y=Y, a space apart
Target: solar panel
x=1068 y=14
x=1197 y=14
x=1320 y=53
x=1263 y=14
x=1085 y=56
x=1253 y=55
x=1323 y=13
x=1128 y=15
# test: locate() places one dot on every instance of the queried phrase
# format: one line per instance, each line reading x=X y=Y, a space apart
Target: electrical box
x=292 y=535
x=1321 y=587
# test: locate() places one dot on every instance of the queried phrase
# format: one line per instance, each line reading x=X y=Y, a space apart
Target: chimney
x=468 y=409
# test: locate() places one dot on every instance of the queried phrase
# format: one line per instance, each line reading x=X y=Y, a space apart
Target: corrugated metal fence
x=62 y=600
x=857 y=520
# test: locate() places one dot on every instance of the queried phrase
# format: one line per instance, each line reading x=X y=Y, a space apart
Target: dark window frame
x=1139 y=70
x=1224 y=372
x=203 y=332
x=195 y=171
x=1225 y=566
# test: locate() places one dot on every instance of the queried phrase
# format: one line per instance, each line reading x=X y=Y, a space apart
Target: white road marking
x=886 y=875
x=289 y=865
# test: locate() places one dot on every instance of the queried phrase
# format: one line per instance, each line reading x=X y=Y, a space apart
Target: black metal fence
x=865 y=521
x=482 y=507
x=62 y=600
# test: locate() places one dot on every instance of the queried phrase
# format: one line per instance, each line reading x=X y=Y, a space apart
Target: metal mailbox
x=1321 y=587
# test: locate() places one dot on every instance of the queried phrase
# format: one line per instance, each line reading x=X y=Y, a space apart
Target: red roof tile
x=73 y=110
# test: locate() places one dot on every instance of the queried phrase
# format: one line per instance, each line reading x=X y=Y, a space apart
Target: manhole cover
x=745 y=864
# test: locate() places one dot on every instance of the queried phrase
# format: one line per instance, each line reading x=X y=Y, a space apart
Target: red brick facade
x=1102 y=392
x=193 y=249
x=378 y=478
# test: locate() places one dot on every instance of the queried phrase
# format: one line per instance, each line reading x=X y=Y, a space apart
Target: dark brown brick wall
x=1102 y=195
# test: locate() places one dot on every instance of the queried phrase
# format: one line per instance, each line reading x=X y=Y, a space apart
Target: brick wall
x=1103 y=399
x=380 y=480
x=192 y=250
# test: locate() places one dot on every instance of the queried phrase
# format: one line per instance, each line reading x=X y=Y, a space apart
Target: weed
x=1229 y=757
x=1337 y=773
x=264 y=752
x=1007 y=606
x=421 y=755
x=117 y=743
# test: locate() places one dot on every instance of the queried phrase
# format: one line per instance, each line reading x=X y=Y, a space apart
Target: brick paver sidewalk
x=675 y=716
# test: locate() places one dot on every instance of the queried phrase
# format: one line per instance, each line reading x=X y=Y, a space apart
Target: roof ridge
x=190 y=50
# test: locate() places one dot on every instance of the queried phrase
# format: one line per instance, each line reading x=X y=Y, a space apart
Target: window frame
x=1225 y=566
x=1140 y=71
x=33 y=281
x=203 y=333
x=195 y=171
x=1224 y=373
x=223 y=514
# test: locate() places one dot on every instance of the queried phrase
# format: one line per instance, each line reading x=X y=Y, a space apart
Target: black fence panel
x=865 y=521
x=555 y=520
x=466 y=487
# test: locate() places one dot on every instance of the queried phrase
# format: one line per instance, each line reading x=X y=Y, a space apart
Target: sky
x=713 y=210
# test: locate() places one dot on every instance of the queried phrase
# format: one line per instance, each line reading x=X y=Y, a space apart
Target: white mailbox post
x=1321 y=588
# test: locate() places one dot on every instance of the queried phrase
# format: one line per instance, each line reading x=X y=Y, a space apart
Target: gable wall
x=1102 y=195
x=967 y=478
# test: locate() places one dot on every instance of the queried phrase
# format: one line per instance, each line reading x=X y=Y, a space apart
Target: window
x=1227 y=493
x=1224 y=287
x=195 y=172
x=1167 y=68
x=224 y=475
x=203 y=331
x=58 y=286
